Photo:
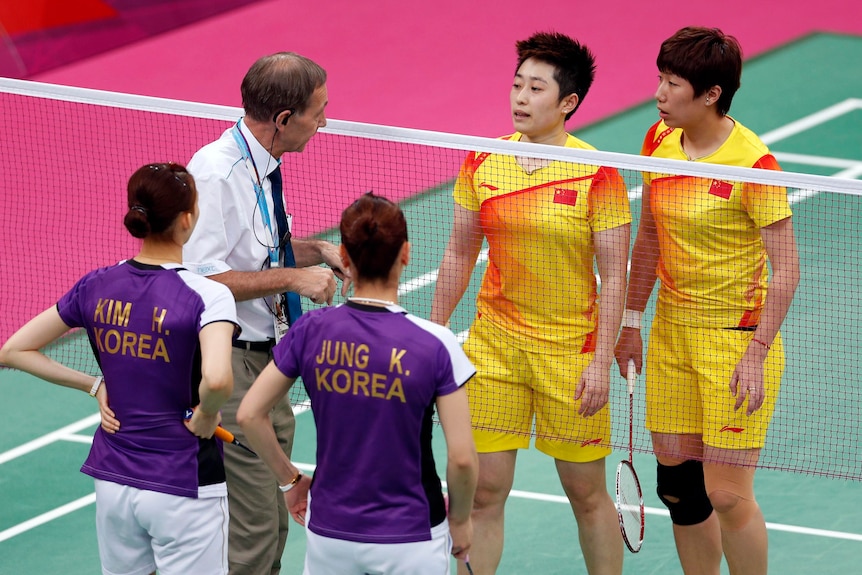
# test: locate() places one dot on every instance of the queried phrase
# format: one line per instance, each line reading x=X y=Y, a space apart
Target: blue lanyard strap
x=244 y=149
x=294 y=307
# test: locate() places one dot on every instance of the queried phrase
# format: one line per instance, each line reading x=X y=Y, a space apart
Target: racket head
x=630 y=506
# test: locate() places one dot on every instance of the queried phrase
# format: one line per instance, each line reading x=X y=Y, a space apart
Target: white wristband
x=96 y=385
x=632 y=319
x=292 y=484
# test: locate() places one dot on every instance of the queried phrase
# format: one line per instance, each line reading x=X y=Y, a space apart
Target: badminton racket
x=224 y=434
x=630 y=501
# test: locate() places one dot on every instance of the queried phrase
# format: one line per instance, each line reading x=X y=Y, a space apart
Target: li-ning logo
x=733 y=429
x=489 y=186
x=596 y=441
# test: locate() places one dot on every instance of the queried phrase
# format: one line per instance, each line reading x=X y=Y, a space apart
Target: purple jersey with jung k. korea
x=373 y=375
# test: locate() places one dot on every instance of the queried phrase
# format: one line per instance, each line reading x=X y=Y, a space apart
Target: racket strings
x=630 y=506
x=631 y=427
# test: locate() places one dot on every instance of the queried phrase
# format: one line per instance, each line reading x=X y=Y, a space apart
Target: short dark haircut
x=373 y=230
x=704 y=57
x=281 y=81
x=574 y=64
x=157 y=194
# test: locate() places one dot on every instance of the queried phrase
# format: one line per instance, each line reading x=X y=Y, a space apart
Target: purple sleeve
x=453 y=368
x=70 y=306
x=450 y=378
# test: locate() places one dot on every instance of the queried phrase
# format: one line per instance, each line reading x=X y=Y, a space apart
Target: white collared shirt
x=230 y=233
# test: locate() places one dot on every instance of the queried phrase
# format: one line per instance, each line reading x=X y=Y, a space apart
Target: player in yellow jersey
x=715 y=357
x=542 y=345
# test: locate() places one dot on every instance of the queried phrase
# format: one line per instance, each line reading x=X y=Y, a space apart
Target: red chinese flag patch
x=565 y=196
x=721 y=189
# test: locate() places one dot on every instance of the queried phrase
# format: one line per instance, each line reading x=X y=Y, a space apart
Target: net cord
x=443 y=139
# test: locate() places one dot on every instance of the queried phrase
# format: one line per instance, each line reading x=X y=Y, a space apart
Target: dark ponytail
x=157 y=194
x=373 y=229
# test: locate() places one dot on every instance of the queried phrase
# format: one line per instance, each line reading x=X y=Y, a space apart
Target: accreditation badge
x=279 y=318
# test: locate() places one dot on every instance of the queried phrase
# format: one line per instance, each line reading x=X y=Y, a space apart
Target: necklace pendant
x=371 y=301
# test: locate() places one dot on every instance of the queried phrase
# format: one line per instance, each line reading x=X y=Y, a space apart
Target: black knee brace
x=684 y=483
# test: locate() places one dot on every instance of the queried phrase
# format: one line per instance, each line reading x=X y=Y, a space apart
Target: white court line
x=309 y=467
x=851 y=168
x=800 y=195
x=46 y=517
x=665 y=513
x=75 y=505
x=811 y=121
x=429 y=278
x=75 y=438
x=417 y=283
x=852 y=172
x=808 y=160
x=49 y=438
x=69 y=433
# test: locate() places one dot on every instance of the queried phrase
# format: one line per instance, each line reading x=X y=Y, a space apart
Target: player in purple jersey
x=162 y=337
x=374 y=374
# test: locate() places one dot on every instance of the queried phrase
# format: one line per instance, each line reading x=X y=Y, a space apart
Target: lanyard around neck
x=245 y=151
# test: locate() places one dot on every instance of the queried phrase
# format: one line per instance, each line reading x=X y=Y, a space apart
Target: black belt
x=263 y=346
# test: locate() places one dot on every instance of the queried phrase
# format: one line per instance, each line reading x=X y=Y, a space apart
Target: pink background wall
x=441 y=65
x=444 y=65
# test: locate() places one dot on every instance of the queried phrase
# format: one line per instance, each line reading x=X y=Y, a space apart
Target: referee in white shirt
x=243 y=241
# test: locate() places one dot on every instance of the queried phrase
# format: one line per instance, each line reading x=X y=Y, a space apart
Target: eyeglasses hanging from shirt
x=286 y=307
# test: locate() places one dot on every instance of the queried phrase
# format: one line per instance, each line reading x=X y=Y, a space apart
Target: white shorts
x=328 y=556
x=140 y=531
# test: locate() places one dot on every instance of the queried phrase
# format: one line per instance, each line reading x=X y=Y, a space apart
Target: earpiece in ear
x=286 y=116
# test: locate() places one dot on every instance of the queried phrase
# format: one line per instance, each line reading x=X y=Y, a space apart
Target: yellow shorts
x=688 y=372
x=512 y=385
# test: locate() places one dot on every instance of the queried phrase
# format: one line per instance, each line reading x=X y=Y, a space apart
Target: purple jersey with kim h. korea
x=143 y=323
x=373 y=375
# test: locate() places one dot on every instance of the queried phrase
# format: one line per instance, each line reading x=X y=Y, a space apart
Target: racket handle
x=224 y=435
x=631 y=376
x=220 y=431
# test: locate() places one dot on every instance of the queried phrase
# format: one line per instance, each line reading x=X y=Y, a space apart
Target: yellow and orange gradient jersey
x=540 y=284
x=713 y=264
